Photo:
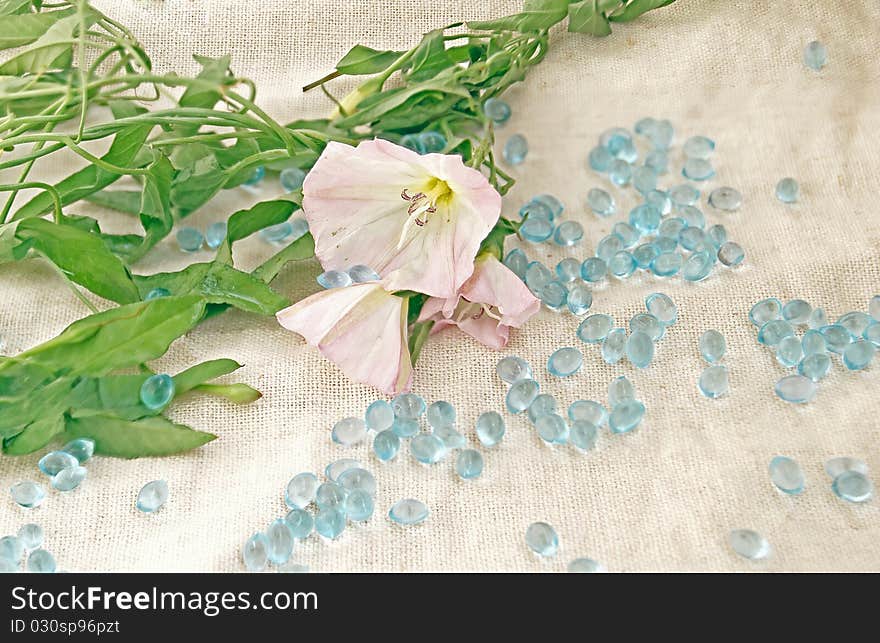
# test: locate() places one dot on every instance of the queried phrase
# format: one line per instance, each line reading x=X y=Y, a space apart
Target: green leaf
x=636 y=8
x=264 y=214
x=214 y=70
x=23 y=29
x=374 y=107
x=52 y=50
x=586 y=17
x=302 y=248
x=417 y=338
x=362 y=60
x=8 y=242
x=9 y=7
x=35 y=436
x=494 y=241
x=128 y=201
x=154 y=436
x=44 y=401
x=197 y=375
x=235 y=393
x=429 y=58
x=535 y=16
x=83 y=257
x=155 y=211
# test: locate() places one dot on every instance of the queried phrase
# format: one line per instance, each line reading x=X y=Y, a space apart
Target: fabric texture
x=661 y=498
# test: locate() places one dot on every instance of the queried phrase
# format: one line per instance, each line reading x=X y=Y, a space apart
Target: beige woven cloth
x=662 y=498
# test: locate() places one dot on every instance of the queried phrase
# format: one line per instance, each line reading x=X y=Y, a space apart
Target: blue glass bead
x=614 y=346
x=645 y=126
x=412 y=142
x=666 y=264
x=7 y=566
x=256 y=176
x=300 y=522
x=537 y=276
x=334 y=279
x=490 y=426
x=469 y=464
x=432 y=142
x=587 y=411
x=662 y=307
x=645 y=254
x=278 y=233
x=12 y=548
x=625 y=150
x=330 y=523
x=712 y=346
x=360 y=274
x=749 y=544
x=773 y=331
x=583 y=435
x=152 y=496
x=536 y=229
x=27 y=494
x=608 y=246
x=568 y=270
x=601 y=202
x=644 y=179
x=336 y=468
x=731 y=254
x=813 y=342
x=789 y=351
x=815 y=55
x=427 y=448
x=658 y=161
x=379 y=416
x=291 y=179
x=765 y=310
x=553 y=204
x=594 y=269
x=672 y=227
x=386 y=444
x=541 y=538
x=215 y=234
x=403 y=428
x=594 y=328
x=859 y=354
x=872 y=332
x=714 y=381
x=298 y=227
x=692 y=238
x=698 y=266
x=622 y=264
x=693 y=216
x=585 y=566
x=600 y=159
x=648 y=324
x=517 y=261
x=554 y=295
x=81 y=448
x=726 y=199
x=660 y=200
x=69 y=479
x=408 y=511
x=639 y=349
x=855 y=322
x=627 y=234
x=359 y=506
x=837 y=338
x=614 y=138
x=408 y=406
x=189 y=239
x=786 y=475
x=797 y=389
x=451 y=438
x=698 y=147
x=697 y=169
x=661 y=135
x=645 y=218
x=279 y=540
x=874 y=307
x=620 y=389
x=157 y=391
x=818 y=318
x=349 y=431
x=815 y=366
x=329 y=495
x=155 y=293
x=797 y=311
x=513 y=369
x=567 y=361
x=684 y=194
x=568 y=233
x=441 y=413
x=542 y=405
x=41 y=562
x=579 y=300
x=516 y=149
x=30 y=536
x=853 y=486
x=835 y=466
x=552 y=428
x=717 y=234
x=620 y=172
x=496 y=110
x=626 y=416
x=787 y=190
x=56 y=461
x=665 y=245
x=357 y=478
x=520 y=395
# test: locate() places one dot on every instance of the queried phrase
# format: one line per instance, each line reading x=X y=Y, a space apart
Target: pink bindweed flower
x=362 y=328
x=492 y=301
x=417 y=220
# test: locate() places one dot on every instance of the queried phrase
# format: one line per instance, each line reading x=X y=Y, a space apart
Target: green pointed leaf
x=44 y=401
x=267 y=213
x=23 y=29
x=636 y=8
x=536 y=15
x=35 y=436
x=154 y=436
x=362 y=60
x=429 y=58
x=302 y=248
x=9 y=7
x=586 y=17
x=197 y=375
x=155 y=211
x=8 y=242
x=128 y=201
x=52 y=50
x=235 y=393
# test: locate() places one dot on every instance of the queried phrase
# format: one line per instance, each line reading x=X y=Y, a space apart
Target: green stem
x=53 y=192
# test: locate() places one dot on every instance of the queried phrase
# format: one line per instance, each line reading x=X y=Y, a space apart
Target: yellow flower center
x=423 y=203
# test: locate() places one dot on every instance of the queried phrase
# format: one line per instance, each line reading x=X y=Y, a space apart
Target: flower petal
x=496 y=285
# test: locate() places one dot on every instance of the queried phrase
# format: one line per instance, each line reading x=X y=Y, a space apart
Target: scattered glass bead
x=684 y=194
x=156 y=293
x=330 y=523
x=469 y=464
x=691 y=238
x=628 y=235
x=601 y=202
x=662 y=307
x=541 y=538
x=357 y=478
x=255 y=553
x=593 y=269
x=30 y=536
x=714 y=381
x=362 y=274
x=818 y=318
x=517 y=261
x=568 y=233
x=594 y=328
x=587 y=411
x=872 y=332
x=837 y=338
x=278 y=233
x=717 y=234
x=731 y=254
x=661 y=135
x=622 y=264
x=698 y=147
x=552 y=428
x=157 y=391
x=408 y=406
x=413 y=142
x=386 y=444
x=537 y=276
x=580 y=299
x=516 y=149
x=565 y=362
x=536 y=230
x=28 y=494
x=408 y=511
x=568 y=269
x=666 y=264
x=512 y=369
x=859 y=354
x=215 y=234
x=698 y=266
x=645 y=218
x=427 y=448
x=749 y=544
x=496 y=110
x=797 y=389
x=644 y=179
x=855 y=322
x=189 y=239
x=336 y=468
x=542 y=405
x=359 y=505
x=614 y=138
x=645 y=254
x=256 y=176
x=12 y=548
x=786 y=474
x=773 y=331
x=379 y=416
x=490 y=427
x=645 y=126
x=329 y=495
x=620 y=172
x=664 y=244
x=789 y=351
x=585 y=566
x=81 y=448
x=640 y=349
x=441 y=413
x=815 y=55
x=614 y=346
x=41 y=562
x=815 y=366
x=7 y=566
x=835 y=466
x=853 y=486
x=797 y=311
x=608 y=246
x=648 y=324
x=600 y=159
x=787 y=190
x=583 y=435
x=451 y=438
x=697 y=169
x=69 y=479
x=279 y=542
x=349 y=431
x=291 y=179
x=553 y=204
x=554 y=295
x=813 y=342
x=432 y=142
x=660 y=200
x=725 y=198
x=765 y=311
x=626 y=151
x=56 y=461
x=300 y=522
x=712 y=346
x=626 y=416
x=334 y=279
x=620 y=390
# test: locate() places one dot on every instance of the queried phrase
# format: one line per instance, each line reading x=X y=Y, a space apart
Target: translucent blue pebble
x=469 y=464
x=280 y=540
x=536 y=229
x=853 y=486
x=773 y=331
x=614 y=346
x=189 y=239
x=594 y=269
x=69 y=479
x=600 y=159
x=697 y=169
x=568 y=270
x=157 y=391
x=41 y=562
x=712 y=346
x=698 y=266
x=815 y=55
x=386 y=444
x=512 y=369
x=786 y=475
x=594 y=328
x=291 y=179
x=726 y=199
x=797 y=311
x=515 y=149
x=497 y=110
x=648 y=324
x=517 y=261
x=379 y=416
x=789 y=351
x=765 y=310
x=565 y=362
x=521 y=395
x=787 y=190
x=699 y=147
x=427 y=448
x=622 y=264
x=541 y=538
x=490 y=427
x=408 y=406
x=349 y=431
x=152 y=496
x=552 y=428
x=330 y=523
x=666 y=264
x=357 y=478
x=797 y=389
x=585 y=566
x=330 y=495
x=619 y=390
x=684 y=194
x=334 y=279
x=358 y=506
x=640 y=349
x=815 y=366
x=858 y=354
x=441 y=413
x=408 y=511
x=336 y=468
x=80 y=448
x=600 y=202
x=56 y=461
x=30 y=536
x=714 y=381
x=620 y=172
x=300 y=522
x=579 y=299
x=568 y=233
x=662 y=307
x=731 y=254
x=587 y=411
x=749 y=544
x=27 y=494
x=583 y=435
x=626 y=416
